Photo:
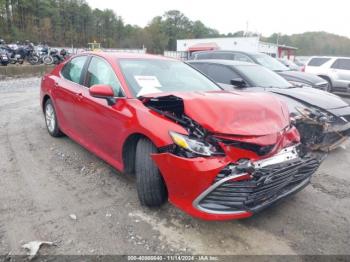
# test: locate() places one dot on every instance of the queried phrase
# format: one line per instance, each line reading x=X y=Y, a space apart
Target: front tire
x=33 y=60
x=150 y=185
x=330 y=85
x=51 y=119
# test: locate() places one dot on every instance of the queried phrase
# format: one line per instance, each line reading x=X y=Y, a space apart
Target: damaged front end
x=320 y=130
x=215 y=175
x=198 y=143
x=254 y=185
x=322 y=119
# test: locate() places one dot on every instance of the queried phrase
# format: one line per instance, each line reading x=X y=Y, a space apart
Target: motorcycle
x=19 y=54
x=42 y=52
x=4 y=59
x=55 y=57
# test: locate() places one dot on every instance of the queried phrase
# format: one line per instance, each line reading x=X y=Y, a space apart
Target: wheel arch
x=129 y=151
x=45 y=98
x=325 y=77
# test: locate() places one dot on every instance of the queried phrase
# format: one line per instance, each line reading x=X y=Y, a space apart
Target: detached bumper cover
x=216 y=189
x=268 y=185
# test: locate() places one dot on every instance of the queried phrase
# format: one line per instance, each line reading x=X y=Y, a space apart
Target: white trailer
x=246 y=44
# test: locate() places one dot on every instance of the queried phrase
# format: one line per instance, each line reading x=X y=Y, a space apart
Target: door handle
x=56 y=84
x=79 y=96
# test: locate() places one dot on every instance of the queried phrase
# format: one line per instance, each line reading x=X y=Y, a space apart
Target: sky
x=261 y=16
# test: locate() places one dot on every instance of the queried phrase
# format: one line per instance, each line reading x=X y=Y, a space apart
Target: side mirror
x=104 y=92
x=238 y=82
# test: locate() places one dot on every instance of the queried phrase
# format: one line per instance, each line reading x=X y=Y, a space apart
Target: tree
x=158 y=40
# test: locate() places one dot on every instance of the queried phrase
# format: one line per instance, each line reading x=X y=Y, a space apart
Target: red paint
x=235 y=113
x=203 y=47
x=104 y=129
x=101 y=91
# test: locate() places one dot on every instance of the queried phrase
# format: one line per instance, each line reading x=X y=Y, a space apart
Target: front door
x=102 y=125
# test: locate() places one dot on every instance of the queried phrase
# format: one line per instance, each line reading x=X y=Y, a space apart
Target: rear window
x=341 y=63
x=224 y=56
x=318 y=61
x=73 y=69
x=202 y=56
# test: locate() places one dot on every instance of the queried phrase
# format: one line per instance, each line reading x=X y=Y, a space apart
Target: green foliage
x=314 y=43
x=74 y=22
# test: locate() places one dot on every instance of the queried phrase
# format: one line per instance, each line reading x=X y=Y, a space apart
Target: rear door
x=66 y=93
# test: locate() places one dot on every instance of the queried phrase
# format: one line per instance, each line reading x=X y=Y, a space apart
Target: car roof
x=328 y=56
x=127 y=55
x=222 y=62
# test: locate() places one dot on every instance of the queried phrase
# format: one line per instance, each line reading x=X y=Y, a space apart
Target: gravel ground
x=47 y=182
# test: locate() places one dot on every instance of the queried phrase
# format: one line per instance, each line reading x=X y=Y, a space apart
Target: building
x=185 y=47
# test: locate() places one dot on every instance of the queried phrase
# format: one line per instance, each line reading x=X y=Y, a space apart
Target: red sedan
x=215 y=154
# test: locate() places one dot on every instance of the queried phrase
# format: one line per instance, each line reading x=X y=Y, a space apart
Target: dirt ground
x=44 y=181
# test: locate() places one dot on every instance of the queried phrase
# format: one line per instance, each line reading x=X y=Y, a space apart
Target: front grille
x=267 y=186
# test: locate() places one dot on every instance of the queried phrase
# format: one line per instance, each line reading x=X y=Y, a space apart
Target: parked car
x=301 y=60
x=215 y=154
x=290 y=64
x=322 y=118
x=336 y=70
x=294 y=77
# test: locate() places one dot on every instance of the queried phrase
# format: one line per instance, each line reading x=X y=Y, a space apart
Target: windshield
x=262 y=77
x=270 y=62
x=146 y=76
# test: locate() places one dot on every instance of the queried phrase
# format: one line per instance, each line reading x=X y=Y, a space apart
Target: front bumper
x=216 y=189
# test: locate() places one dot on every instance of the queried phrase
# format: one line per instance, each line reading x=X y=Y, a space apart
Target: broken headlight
x=315 y=114
x=194 y=145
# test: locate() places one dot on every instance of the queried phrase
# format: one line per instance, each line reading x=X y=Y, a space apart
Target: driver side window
x=100 y=72
x=221 y=74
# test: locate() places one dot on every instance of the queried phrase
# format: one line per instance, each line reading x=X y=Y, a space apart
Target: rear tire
x=51 y=119
x=150 y=185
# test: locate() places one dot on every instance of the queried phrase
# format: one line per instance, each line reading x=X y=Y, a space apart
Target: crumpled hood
x=235 y=113
x=301 y=76
x=312 y=96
